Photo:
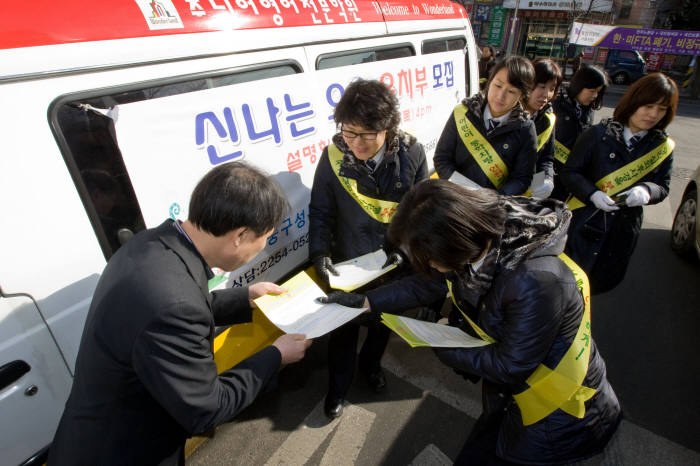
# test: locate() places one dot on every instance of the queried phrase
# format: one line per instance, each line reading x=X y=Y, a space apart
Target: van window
x=355 y=57
x=628 y=55
x=443 y=45
x=87 y=140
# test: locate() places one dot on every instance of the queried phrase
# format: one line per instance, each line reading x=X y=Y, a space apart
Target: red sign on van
x=69 y=21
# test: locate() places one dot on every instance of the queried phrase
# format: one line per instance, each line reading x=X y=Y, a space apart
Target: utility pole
x=513 y=19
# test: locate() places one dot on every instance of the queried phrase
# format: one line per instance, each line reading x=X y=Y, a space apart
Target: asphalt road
x=646 y=330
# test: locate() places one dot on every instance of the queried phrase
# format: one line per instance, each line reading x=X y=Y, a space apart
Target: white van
x=110 y=113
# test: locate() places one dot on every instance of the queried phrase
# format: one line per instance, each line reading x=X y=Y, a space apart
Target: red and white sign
x=653 y=61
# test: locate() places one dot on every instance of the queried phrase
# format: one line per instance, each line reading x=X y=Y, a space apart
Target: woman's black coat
x=602 y=243
x=533 y=312
x=568 y=128
x=514 y=140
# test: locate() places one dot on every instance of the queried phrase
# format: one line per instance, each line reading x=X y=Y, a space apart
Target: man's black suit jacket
x=145 y=377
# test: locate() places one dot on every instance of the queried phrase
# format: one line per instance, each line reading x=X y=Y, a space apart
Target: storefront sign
x=643 y=40
x=476 y=27
x=497 y=24
x=483 y=12
x=603 y=6
x=602 y=55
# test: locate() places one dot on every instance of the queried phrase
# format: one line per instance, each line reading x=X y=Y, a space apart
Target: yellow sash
x=561 y=387
x=479 y=148
x=380 y=210
x=626 y=176
x=543 y=137
x=561 y=152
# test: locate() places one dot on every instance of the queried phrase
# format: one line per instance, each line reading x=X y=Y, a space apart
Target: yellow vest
x=626 y=176
x=480 y=149
x=378 y=209
x=561 y=387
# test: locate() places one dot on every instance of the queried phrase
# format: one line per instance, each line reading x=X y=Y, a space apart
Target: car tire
x=620 y=78
x=683 y=230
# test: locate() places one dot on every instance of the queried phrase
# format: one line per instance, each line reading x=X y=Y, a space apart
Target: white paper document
x=359 y=271
x=296 y=311
x=462 y=180
x=421 y=333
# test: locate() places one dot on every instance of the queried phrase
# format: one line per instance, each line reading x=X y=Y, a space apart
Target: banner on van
x=280 y=125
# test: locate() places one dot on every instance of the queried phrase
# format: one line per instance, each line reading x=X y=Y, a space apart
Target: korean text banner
x=642 y=40
x=280 y=125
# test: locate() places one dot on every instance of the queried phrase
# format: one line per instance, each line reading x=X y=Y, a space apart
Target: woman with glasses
x=546 y=399
x=547 y=81
x=617 y=167
x=489 y=138
x=359 y=181
x=574 y=107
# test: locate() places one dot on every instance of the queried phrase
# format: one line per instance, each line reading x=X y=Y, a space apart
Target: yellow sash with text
x=561 y=152
x=380 y=210
x=626 y=176
x=480 y=149
x=561 y=387
x=543 y=137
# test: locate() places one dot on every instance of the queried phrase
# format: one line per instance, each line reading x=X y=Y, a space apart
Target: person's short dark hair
x=589 y=77
x=234 y=195
x=545 y=71
x=442 y=222
x=521 y=74
x=650 y=89
x=370 y=104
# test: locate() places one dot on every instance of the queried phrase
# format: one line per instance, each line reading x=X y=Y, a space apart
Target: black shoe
x=333 y=407
x=376 y=381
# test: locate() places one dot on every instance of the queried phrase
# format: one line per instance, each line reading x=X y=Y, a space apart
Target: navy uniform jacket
x=602 y=243
x=514 y=140
x=145 y=377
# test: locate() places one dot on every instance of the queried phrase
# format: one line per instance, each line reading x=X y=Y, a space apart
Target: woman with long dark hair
x=574 y=108
x=617 y=167
x=548 y=78
x=546 y=399
x=488 y=138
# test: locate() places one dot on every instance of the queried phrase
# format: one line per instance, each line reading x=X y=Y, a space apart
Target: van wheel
x=620 y=78
x=683 y=229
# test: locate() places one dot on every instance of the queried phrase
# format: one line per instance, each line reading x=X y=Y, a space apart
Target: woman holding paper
x=574 y=108
x=489 y=138
x=617 y=167
x=358 y=183
x=547 y=81
x=546 y=397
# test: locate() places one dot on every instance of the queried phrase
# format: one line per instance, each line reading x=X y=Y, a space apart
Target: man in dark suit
x=145 y=377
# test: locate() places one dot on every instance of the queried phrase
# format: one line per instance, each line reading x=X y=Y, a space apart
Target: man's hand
x=544 y=190
x=636 y=196
x=261 y=289
x=603 y=202
x=324 y=267
x=292 y=346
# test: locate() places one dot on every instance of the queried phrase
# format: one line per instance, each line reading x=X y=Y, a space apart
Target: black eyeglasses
x=364 y=136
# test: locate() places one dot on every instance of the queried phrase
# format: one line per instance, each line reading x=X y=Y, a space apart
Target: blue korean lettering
x=301 y=114
x=200 y=135
x=288 y=223
x=274 y=131
x=334 y=90
x=300 y=220
x=449 y=74
x=437 y=75
x=272 y=239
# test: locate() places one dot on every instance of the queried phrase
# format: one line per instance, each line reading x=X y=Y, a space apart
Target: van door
x=34 y=379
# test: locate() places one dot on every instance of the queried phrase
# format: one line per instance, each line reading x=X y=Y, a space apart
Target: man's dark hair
x=447 y=224
x=652 y=88
x=589 y=77
x=370 y=104
x=545 y=71
x=521 y=74
x=235 y=195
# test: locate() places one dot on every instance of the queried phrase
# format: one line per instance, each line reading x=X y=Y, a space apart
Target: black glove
x=393 y=259
x=324 y=267
x=343 y=298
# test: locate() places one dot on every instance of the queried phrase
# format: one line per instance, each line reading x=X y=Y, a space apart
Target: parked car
x=685 y=233
x=624 y=66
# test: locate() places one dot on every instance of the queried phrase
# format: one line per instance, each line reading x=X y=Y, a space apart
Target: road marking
x=346 y=442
